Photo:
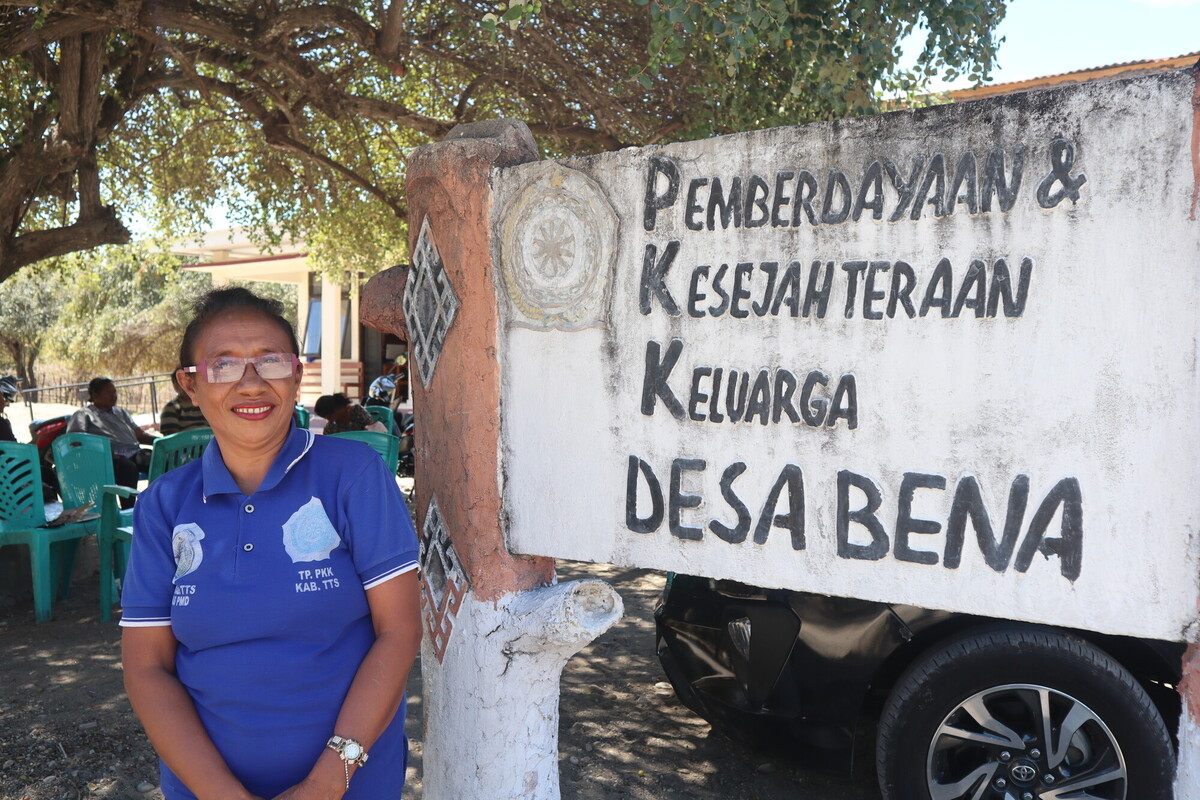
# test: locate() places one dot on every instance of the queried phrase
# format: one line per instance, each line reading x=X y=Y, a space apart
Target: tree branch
x=84 y=234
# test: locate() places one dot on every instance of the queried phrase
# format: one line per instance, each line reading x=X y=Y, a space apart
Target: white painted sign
x=944 y=357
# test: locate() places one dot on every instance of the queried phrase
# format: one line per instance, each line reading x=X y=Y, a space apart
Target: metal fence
x=140 y=394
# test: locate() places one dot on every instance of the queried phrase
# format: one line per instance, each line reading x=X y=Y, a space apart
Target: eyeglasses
x=230 y=369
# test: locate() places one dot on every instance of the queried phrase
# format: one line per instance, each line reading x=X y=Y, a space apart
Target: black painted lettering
x=693 y=211
x=785 y=388
x=757 y=213
x=723 y=306
x=873 y=181
x=1001 y=290
x=714 y=404
x=903 y=282
x=865 y=516
x=654 y=381
x=730 y=210
x=1068 y=545
x=907 y=524
x=654 y=273
x=837 y=184
x=695 y=296
x=792 y=479
x=655 y=202
x=904 y=188
x=654 y=488
x=1060 y=184
x=964 y=174
x=845 y=403
x=741 y=275
x=789 y=291
x=818 y=297
x=735 y=395
x=935 y=179
x=736 y=534
x=972 y=293
x=781 y=199
x=770 y=269
x=937 y=293
x=678 y=501
x=854 y=270
x=996 y=183
x=760 y=399
x=870 y=295
x=814 y=409
x=968 y=505
x=697 y=397
x=806 y=192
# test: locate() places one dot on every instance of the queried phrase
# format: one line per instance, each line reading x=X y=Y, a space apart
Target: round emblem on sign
x=557 y=242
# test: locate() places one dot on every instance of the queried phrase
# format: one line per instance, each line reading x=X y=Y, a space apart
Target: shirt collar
x=218 y=480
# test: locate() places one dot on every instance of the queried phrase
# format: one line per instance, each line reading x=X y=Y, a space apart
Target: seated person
x=341 y=415
x=180 y=413
x=104 y=418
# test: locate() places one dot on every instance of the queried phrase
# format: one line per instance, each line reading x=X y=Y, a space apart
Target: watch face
x=352 y=751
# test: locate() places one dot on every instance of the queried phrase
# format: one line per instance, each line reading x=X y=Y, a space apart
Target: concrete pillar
x=1187 y=777
x=303 y=298
x=355 y=331
x=498 y=627
x=331 y=336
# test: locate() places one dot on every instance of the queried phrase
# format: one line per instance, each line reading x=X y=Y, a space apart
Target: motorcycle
x=382 y=392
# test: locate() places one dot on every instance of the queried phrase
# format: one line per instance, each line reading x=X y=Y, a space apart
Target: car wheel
x=1021 y=714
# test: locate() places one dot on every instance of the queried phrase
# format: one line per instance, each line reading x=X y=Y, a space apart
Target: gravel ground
x=66 y=730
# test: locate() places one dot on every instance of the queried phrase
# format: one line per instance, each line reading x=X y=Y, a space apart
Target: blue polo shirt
x=266 y=595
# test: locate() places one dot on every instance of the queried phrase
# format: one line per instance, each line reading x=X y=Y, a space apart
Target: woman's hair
x=329 y=403
x=96 y=385
x=216 y=302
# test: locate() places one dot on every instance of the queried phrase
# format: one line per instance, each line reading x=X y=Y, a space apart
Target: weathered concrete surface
x=1187 y=778
x=457 y=437
x=491 y=726
x=1002 y=407
x=498 y=634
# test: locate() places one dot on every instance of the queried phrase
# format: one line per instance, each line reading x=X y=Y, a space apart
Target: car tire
x=969 y=720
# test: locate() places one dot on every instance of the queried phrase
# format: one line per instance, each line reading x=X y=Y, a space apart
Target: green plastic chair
x=383 y=414
x=303 y=416
x=83 y=462
x=114 y=538
x=385 y=444
x=22 y=513
x=178 y=449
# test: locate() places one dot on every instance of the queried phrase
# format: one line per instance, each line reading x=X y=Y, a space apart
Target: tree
x=125 y=309
x=299 y=116
x=29 y=305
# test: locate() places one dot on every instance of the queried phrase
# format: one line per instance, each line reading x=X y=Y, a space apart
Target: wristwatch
x=351 y=752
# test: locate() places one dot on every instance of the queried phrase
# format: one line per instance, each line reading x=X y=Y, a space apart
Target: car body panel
x=818 y=665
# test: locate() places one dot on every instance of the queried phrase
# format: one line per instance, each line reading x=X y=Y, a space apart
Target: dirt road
x=66 y=730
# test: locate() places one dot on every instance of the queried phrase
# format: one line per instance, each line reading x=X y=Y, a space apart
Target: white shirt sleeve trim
x=392 y=573
x=145 y=623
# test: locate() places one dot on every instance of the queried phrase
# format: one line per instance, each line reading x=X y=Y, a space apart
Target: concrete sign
x=945 y=357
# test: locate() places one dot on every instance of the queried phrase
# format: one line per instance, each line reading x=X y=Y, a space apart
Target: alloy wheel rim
x=1023 y=741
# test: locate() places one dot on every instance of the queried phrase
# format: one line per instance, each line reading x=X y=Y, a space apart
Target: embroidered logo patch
x=309 y=535
x=185 y=545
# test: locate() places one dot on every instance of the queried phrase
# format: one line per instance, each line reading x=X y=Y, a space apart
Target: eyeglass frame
x=202 y=367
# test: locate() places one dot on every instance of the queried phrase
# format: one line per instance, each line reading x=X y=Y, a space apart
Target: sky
x=1047 y=37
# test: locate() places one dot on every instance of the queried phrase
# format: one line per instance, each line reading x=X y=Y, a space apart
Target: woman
x=342 y=414
x=270 y=606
